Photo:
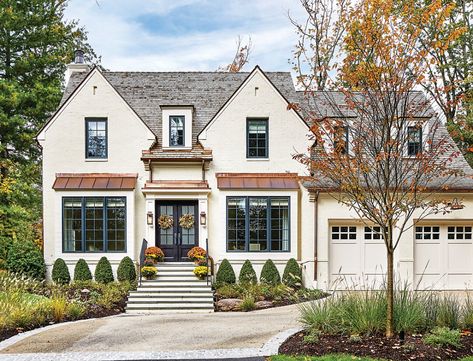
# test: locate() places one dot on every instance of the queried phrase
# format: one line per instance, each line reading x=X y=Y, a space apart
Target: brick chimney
x=77 y=66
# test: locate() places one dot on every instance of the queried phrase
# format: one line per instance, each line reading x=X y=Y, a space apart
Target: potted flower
x=201 y=272
x=149 y=272
x=154 y=254
x=196 y=254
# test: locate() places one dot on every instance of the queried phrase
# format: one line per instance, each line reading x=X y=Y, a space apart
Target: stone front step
x=175 y=299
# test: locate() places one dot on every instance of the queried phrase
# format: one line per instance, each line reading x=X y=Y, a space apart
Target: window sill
x=176 y=148
x=96 y=159
x=258 y=159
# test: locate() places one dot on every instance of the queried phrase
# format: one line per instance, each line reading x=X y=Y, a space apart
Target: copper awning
x=102 y=181
x=257 y=181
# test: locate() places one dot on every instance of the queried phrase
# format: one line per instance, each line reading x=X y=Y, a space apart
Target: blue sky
x=163 y=35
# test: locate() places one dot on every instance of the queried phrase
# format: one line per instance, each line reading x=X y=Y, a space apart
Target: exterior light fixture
x=149 y=218
x=456 y=205
x=203 y=218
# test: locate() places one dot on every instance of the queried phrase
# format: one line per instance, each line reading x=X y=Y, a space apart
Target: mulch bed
x=377 y=347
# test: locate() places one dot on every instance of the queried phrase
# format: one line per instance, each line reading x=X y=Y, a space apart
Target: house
x=126 y=152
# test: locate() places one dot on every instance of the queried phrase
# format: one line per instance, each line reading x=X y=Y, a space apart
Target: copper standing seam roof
x=257 y=181
x=177 y=184
x=103 y=181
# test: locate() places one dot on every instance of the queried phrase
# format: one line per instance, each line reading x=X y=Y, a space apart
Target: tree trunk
x=390 y=296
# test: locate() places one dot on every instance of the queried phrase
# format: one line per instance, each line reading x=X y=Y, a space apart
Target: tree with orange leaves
x=379 y=148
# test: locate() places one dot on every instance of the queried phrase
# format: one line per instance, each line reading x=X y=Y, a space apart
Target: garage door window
x=343 y=232
x=459 y=232
x=427 y=232
x=373 y=233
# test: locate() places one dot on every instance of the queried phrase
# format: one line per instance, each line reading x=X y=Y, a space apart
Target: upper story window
x=340 y=141
x=414 y=140
x=257 y=138
x=96 y=138
x=176 y=131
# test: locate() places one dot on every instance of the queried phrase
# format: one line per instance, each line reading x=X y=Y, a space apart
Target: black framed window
x=258 y=224
x=340 y=141
x=94 y=224
x=257 y=138
x=176 y=131
x=96 y=138
x=414 y=140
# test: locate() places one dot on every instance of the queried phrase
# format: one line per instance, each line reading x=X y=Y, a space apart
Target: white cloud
x=125 y=43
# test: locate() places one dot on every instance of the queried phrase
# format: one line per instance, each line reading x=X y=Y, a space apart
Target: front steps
x=176 y=289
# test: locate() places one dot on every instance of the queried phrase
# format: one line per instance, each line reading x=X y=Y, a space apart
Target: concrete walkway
x=160 y=334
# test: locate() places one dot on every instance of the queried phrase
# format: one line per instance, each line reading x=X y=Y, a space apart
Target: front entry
x=177 y=228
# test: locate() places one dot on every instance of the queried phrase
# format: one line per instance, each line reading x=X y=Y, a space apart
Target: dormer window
x=176 y=131
x=414 y=140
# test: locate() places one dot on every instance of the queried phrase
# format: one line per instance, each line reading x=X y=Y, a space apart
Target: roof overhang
x=257 y=181
x=94 y=181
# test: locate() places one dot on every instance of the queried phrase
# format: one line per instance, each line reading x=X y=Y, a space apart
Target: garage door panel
x=345 y=258
x=458 y=281
x=460 y=258
x=428 y=258
x=427 y=282
x=375 y=258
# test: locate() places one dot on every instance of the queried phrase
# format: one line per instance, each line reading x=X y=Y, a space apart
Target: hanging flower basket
x=165 y=221
x=186 y=221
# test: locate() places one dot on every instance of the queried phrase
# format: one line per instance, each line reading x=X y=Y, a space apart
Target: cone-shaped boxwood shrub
x=60 y=273
x=247 y=273
x=25 y=257
x=126 y=270
x=225 y=273
x=103 y=271
x=292 y=276
x=82 y=271
x=270 y=274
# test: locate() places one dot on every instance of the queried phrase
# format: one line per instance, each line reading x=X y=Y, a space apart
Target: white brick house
x=124 y=148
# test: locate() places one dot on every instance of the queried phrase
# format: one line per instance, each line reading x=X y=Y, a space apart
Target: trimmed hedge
x=82 y=271
x=126 y=270
x=247 y=273
x=103 y=271
x=60 y=273
x=270 y=274
x=225 y=273
x=292 y=276
x=25 y=257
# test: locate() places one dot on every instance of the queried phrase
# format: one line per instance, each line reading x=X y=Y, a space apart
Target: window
x=94 y=224
x=427 y=232
x=340 y=141
x=96 y=138
x=257 y=138
x=459 y=232
x=373 y=233
x=258 y=224
x=343 y=232
x=414 y=141
x=176 y=131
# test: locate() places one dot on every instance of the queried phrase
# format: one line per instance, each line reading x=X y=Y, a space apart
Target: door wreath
x=165 y=221
x=186 y=221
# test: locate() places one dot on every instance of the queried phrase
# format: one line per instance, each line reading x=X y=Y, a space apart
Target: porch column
x=203 y=229
x=150 y=228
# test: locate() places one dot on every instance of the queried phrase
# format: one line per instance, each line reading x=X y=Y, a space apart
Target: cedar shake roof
x=102 y=181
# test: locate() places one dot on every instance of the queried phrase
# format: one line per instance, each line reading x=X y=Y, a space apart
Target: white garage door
x=357 y=257
x=443 y=257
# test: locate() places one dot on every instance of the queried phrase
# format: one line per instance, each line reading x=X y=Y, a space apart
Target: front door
x=177 y=229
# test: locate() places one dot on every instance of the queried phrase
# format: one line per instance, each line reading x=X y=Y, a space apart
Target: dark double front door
x=176 y=241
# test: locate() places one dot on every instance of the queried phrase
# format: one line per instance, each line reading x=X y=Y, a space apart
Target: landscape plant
x=269 y=273
x=82 y=271
x=201 y=271
x=149 y=272
x=126 y=270
x=247 y=273
x=154 y=253
x=225 y=273
x=292 y=275
x=60 y=273
x=443 y=336
x=103 y=271
x=196 y=254
x=26 y=258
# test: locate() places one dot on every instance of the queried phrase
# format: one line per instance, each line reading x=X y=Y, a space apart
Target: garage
x=443 y=256
x=357 y=256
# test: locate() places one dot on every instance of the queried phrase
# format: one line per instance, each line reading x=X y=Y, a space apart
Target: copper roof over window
x=102 y=181
x=257 y=181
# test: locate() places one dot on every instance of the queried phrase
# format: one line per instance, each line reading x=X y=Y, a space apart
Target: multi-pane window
x=257 y=138
x=343 y=232
x=373 y=233
x=96 y=138
x=340 y=141
x=459 y=232
x=427 y=232
x=94 y=224
x=414 y=140
x=176 y=131
x=258 y=224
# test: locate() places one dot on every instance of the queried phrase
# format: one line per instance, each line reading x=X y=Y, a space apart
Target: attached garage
x=443 y=256
x=357 y=256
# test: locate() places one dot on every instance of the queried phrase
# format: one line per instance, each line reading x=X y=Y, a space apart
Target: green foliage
x=60 y=273
x=247 y=273
x=292 y=276
x=444 y=337
x=126 y=270
x=82 y=271
x=312 y=337
x=270 y=274
x=103 y=271
x=248 y=304
x=225 y=273
x=334 y=357
x=467 y=319
x=26 y=258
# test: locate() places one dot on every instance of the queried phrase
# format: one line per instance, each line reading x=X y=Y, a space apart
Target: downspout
x=203 y=170
x=150 y=171
x=316 y=231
